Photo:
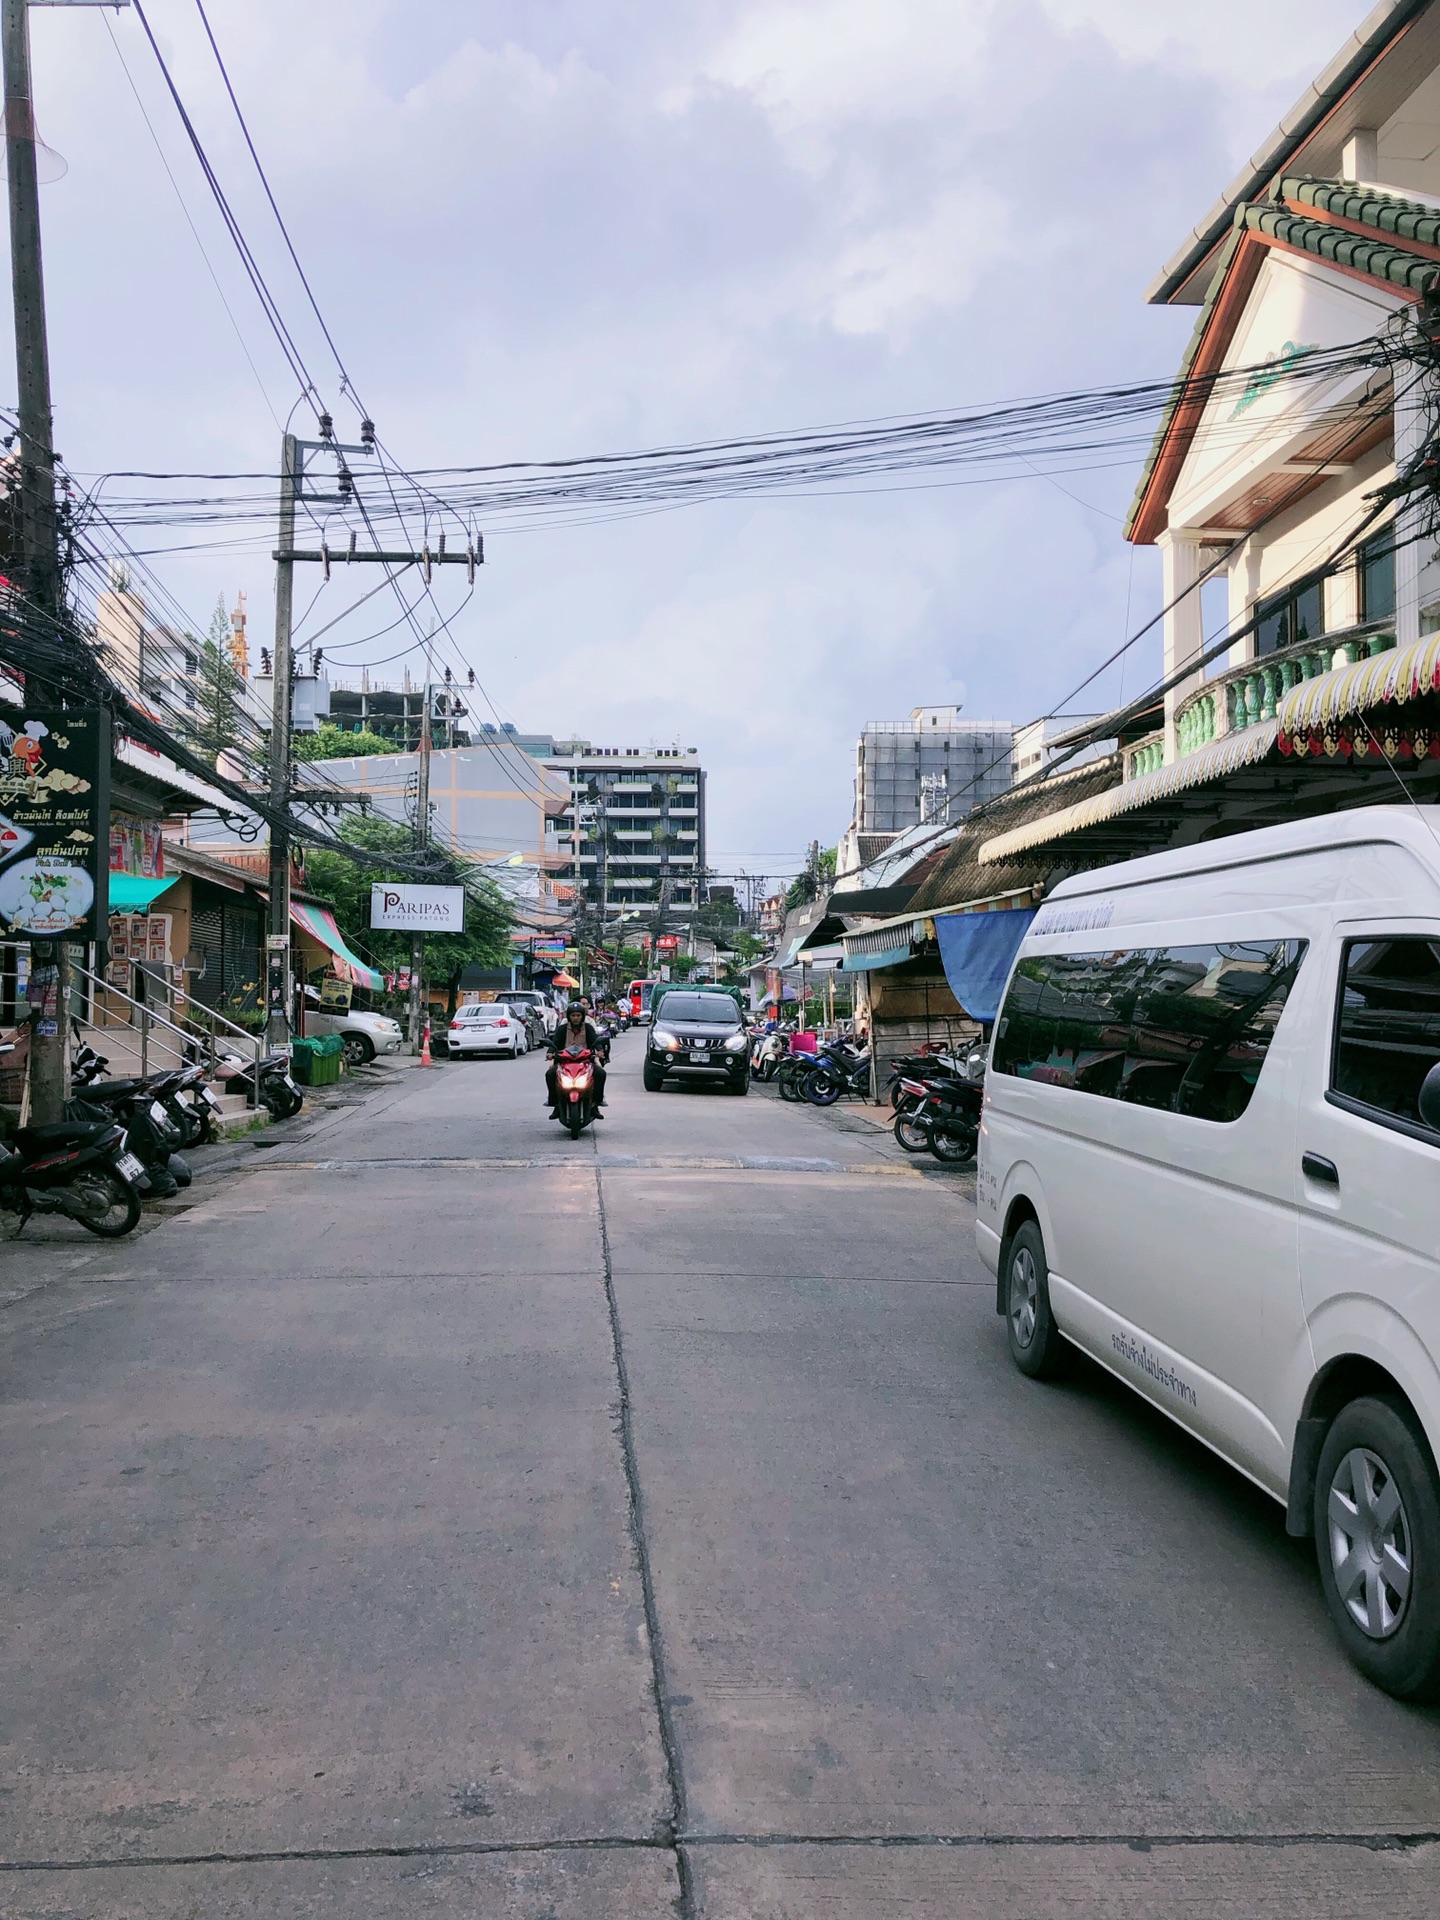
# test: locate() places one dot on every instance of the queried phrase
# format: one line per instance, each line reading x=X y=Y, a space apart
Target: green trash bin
x=317 y=1062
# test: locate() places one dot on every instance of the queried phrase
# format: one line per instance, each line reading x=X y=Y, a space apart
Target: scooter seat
x=63 y=1133
x=108 y=1091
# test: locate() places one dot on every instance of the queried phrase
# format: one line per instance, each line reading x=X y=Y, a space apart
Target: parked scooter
x=941 y=1115
x=574 y=1089
x=153 y=1131
x=81 y=1169
x=278 y=1092
x=840 y=1070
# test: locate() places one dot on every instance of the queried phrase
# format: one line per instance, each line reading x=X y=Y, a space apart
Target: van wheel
x=1377 y=1538
x=1036 y=1344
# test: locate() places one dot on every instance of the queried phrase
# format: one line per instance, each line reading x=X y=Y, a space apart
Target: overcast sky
x=560 y=227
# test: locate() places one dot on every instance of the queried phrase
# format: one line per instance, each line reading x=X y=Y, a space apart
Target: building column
x=1409 y=551
x=1244 y=581
x=1181 y=567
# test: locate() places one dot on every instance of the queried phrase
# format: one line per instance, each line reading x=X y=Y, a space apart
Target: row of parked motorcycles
x=124 y=1140
x=935 y=1094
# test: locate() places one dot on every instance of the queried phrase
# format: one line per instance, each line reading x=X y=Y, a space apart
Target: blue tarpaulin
x=871 y=962
x=977 y=950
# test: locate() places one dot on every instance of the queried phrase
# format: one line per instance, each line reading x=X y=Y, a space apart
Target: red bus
x=638 y=993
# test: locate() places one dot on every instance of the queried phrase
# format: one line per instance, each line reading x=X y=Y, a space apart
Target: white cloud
x=542 y=231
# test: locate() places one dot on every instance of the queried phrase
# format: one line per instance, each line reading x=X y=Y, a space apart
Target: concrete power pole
x=422 y=840
x=280 y=992
x=39 y=526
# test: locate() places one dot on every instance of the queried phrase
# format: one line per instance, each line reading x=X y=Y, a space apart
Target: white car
x=364 y=1034
x=490 y=1027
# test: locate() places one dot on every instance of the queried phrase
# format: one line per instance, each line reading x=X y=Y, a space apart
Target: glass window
x=1387 y=1034
x=1291 y=617
x=1204 y=1017
x=1181 y=1029
x=716 y=1009
x=1376 y=562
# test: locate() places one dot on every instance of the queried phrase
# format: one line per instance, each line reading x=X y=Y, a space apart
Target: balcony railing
x=1248 y=694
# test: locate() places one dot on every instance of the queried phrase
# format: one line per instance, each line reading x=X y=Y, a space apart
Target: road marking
x=621 y=1163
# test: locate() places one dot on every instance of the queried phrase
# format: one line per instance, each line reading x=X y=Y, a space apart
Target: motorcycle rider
x=575 y=1030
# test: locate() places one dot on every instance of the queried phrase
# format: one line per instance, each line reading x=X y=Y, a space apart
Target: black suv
x=697 y=1036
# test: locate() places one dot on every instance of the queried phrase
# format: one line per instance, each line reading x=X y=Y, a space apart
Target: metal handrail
x=149 y=1018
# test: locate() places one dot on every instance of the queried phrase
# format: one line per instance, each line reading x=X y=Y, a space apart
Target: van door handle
x=1316 y=1167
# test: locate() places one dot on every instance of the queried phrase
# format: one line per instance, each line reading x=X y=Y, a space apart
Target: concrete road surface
x=441 y=1518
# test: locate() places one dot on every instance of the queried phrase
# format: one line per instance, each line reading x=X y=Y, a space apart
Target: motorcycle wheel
x=282 y=1104
x=112 y=1206
x=822 y=1089
x=575 y=1122
x=912 y=1132
x=954 y=1149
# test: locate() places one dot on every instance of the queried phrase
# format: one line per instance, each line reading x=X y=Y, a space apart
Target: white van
x=1210 y=1158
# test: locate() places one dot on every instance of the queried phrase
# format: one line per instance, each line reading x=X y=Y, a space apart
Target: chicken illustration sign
x=55 y=824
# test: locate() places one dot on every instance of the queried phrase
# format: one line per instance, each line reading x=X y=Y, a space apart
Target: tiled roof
x=1380 y=258
x=1386 y=252
x=959 y=876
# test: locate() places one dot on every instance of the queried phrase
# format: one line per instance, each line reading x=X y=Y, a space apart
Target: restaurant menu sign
x=55 y=824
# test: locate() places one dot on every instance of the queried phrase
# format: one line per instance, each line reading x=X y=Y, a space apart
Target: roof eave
x=1372 y=38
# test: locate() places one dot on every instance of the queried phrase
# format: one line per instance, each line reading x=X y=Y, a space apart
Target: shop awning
x=319 y=923
x=976 y=950
x=132 y=893
x=885 y=945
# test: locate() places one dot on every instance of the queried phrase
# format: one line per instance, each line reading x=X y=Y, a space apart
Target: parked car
x=487 y=1027
x=539 y=1014
x=1210 y=1158
x=365 y=1034
x=698 y=1036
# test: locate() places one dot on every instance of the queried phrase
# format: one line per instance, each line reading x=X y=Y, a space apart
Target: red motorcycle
x=574 y=1089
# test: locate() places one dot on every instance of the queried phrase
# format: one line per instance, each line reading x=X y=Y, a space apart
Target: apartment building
x=635 y=825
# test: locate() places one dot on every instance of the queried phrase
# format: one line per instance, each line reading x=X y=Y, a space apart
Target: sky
x=568 y=227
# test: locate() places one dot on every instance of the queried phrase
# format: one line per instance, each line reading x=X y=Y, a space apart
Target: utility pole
x=279 y=994
x=422 y=840
x=39 y=525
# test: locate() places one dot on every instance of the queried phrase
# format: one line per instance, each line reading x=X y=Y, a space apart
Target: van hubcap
x=1369 y=1543
x=1024 y=1291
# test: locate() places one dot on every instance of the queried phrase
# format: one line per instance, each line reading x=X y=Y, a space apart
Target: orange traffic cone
x=425 y=1059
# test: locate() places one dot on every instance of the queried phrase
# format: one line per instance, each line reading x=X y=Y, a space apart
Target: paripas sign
x=402 y=908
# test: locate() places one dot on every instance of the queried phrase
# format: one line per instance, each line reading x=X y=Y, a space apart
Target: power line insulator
x=367 y=433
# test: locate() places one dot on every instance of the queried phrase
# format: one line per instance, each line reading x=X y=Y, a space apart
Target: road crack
x=676 y=1820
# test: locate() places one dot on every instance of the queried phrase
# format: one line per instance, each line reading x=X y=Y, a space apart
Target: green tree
x=813 y=879
x=220 y=699
x=346 y=884
x=329 y=742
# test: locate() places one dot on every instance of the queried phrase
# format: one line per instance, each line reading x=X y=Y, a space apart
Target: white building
x=1266 y=471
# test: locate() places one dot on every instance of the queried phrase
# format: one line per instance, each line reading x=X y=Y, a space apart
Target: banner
x=55 y=824
x=403 y=908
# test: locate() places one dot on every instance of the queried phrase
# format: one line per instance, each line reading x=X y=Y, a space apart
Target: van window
x=1387 y=1032
x=1181 y=1029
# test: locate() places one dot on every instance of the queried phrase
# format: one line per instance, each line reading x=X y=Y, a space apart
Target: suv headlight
x=737 y=1043
x=662 y=1038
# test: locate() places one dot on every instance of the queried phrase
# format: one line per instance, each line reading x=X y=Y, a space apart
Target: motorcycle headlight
x=737 y=1043
x=665 y=1039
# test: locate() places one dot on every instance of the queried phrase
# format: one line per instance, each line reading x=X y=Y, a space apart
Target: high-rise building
x=635 y=826
x=932 y=767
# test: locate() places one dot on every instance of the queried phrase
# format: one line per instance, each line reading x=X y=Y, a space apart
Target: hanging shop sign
x=403 y=908
x=55 y=824
x=668 y=942
x=335 y=995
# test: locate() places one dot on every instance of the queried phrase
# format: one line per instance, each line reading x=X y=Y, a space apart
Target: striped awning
x=1212 y=762
x=884 y=945
x=319 y=923
x=1402 y=674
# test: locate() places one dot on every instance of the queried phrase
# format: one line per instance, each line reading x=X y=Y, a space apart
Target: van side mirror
x=1429 y=1102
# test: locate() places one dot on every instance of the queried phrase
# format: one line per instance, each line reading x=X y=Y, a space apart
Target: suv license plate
x=132 y=1168
x=703 y=1058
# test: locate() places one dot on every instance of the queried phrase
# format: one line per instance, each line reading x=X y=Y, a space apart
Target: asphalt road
x=443 y=1518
